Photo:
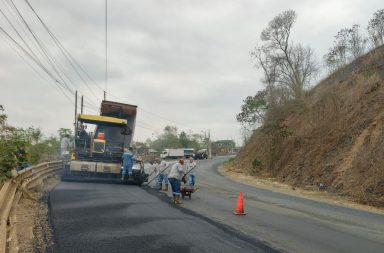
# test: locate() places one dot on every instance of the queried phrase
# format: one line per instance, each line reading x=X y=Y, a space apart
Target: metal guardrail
x=10 y=194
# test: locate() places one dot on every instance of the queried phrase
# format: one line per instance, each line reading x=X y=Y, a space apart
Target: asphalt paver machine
x=99 y=145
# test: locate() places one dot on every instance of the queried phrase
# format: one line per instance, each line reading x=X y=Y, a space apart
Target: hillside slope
x=335 y=136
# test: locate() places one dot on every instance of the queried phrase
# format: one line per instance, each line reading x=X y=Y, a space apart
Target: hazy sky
x=183 y=62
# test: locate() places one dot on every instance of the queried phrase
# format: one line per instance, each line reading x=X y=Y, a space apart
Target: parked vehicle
x=172 y=153
x=189 y=152
x=177 y=153
x=201 y=154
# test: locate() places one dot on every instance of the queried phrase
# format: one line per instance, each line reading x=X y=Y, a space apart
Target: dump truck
x=100 y=141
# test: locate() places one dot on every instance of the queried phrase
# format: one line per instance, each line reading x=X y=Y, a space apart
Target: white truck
x=173 y=153
x=176 y=153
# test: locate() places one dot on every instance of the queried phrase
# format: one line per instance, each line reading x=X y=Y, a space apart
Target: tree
x=19 y=147
x=348 y=45
x=64 y=132
x=168 y=139
x=170 y=130
x=11 y=141
x=284 y=63
x=33 y=135
x=356 y=41
x=141 y=148
x=253 y=110
x=171 y=139
x=184 y=140
x=376 y=28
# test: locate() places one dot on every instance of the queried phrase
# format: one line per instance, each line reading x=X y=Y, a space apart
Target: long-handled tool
x=155 y=177
x=183 y=178
x=149 y=175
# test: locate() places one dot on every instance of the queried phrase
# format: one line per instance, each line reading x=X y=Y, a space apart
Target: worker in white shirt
x=175 y=175
x=162 y=170
x=191 y=168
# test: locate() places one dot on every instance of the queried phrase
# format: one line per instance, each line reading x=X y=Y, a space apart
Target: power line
x=146 y=111
x=42 y=48
x=7 y=36
x=21 y=25
x=65 y=52
x=47 y=53
x=29 y=55
x=32 y=56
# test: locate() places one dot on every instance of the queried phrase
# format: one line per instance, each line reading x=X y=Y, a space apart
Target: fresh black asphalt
x=94 y=217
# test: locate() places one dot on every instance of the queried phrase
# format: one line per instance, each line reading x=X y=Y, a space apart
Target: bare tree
x=283 y=62
x=376 y=28
x=268 y=64
x=356 y=42
x=297 y=71
x=347 y=46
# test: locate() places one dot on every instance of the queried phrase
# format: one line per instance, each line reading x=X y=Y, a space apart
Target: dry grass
x=336 y=136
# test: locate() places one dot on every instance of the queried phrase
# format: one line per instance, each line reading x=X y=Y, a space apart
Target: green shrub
x=256 y=163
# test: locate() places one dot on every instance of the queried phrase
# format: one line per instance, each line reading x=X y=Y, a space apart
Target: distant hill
x=335 y=136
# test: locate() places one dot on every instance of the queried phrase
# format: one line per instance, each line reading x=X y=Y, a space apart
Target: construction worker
x=191 y=167
x=65 y=145
x=83 y=137
x=162 y=170
x=175 y=176
x=128 y=160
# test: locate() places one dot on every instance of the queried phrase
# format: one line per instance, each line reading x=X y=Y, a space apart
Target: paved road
x=91 y=217
x=287 y=222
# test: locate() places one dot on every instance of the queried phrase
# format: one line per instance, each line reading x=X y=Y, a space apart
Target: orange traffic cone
x=240 y=207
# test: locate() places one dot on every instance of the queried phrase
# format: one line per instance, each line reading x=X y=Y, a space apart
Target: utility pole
x=209 y=145
x=75 y=124
x=82 y=104
x=106 y=47
x=105 y=95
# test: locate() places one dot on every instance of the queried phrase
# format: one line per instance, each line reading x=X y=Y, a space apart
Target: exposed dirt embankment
x=334 y=136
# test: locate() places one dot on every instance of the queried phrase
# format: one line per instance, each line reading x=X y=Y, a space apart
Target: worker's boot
x=174 y=199
x=165 y=188
x=178 y=201
x=160 y=187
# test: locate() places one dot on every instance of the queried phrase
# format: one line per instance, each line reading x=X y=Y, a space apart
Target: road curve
x=94 y=217
x=287 y=222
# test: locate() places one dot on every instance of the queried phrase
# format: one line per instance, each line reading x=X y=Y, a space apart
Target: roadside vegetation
x=22 y=147
x=330 y=134
x=171 y=137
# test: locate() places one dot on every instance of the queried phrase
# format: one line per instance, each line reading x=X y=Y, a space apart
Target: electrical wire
x=42 y=48
x=65 y=52
x=14 y=48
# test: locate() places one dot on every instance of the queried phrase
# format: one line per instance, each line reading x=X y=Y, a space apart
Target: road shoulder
x=275 y=186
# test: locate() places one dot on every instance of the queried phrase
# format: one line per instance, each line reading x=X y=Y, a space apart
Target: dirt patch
x=309 y=193
x=33 y=230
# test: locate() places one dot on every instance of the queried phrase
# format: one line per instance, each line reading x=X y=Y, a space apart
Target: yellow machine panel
x=108 y=168
x=96 y=119
x=82 y=166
